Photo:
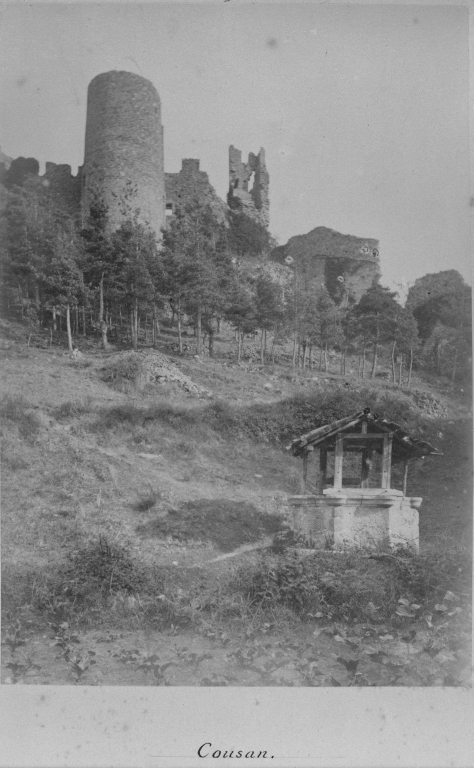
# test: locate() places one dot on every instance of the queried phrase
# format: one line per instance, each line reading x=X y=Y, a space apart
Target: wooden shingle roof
x=403 y=444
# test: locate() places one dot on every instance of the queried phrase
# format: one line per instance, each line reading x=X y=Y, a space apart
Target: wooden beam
x=359 y=436
x=323 y=468
x=405 y=475
x=338 y=462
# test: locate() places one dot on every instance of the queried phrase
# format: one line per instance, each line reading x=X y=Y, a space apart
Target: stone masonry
x=191 y=183
x=254 y=202
x=123 y=160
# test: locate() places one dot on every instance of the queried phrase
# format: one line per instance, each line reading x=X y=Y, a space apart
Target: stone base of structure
x=357 y=517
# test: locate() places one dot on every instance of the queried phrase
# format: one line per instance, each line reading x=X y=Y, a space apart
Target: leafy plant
x=80 y=662
x=150 y=664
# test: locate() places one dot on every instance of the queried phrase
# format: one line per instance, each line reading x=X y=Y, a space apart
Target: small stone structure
x=357 y=506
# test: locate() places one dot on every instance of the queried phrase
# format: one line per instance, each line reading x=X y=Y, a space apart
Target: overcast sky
x=362 y=110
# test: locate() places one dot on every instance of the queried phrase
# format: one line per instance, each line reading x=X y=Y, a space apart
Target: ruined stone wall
x=191 y=183
x=344 y=264
x=253 y=202
x=124 y=147
x=64 y=187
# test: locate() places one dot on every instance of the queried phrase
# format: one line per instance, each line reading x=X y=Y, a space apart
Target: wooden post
x=405 y=476
x=305 y=474
x=387 y=461
x=366 y=458
x=338 y=454
x=323 y=467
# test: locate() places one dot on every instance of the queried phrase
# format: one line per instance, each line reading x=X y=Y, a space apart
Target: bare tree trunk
x=55 y=325
x=326 y=357
x=262 y=347
x=83 y=319
x=180 y=337
x=393 y=360
x=38 y=305
x=293 y=362
x=239 y=345
x=310 y=360
x=68 y=327
x=400 y=370
x=410 y=369
x=272 y=351
x=211 y=340
x=102 y=323
x=134 y=324
x=453 y=376
x=320 y=357
x=303 y=349
x=374 y=363
x=76 y=330
x=363 y=360
x=199 y=331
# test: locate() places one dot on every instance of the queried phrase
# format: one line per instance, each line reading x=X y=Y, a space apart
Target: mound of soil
x=227 y=524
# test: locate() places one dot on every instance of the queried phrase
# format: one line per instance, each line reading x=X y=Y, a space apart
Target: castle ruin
x=124 y=165
x=123 y=158
x=254 y=202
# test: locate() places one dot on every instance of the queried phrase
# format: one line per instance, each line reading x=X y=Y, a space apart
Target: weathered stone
x=65 y=188
x=254 y=202
x=191 y=183
x=346 y=265
x=123 y=160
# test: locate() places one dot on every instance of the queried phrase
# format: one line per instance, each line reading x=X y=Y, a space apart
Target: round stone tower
x=123 y=160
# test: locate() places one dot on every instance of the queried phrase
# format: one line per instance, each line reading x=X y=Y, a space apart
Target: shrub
x=349 y=586
x=69 y=410
x=15 y=409
x=147 y=501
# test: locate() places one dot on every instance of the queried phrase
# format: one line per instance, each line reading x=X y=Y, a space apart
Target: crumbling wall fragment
x=188 y=184
x=254 y=202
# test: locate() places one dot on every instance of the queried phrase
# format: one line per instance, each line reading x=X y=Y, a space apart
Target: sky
x=362 y=109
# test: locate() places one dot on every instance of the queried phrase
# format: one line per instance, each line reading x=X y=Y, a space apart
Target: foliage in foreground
x=265 y=423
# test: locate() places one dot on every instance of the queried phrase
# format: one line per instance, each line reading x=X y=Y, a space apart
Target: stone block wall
x=358 y=518
x=191 y=183
x=124 y=148
x=254 y=202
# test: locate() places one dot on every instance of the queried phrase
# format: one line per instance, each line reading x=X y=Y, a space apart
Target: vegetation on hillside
x=79 y=276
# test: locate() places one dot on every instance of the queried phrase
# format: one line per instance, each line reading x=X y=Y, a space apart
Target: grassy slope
x=72 y=469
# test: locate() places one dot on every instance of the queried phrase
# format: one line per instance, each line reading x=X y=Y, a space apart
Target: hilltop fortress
x=124 y=164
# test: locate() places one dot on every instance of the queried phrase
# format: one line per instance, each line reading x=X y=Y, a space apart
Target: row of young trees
x=57 y=269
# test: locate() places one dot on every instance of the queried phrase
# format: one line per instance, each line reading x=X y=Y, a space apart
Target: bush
x=123 y=372
x=69 y=410
x=351 y=586
x=265 y=423
x=15 y=409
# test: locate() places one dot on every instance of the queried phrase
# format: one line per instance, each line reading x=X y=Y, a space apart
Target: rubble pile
x=429 y=404
x=150 y=367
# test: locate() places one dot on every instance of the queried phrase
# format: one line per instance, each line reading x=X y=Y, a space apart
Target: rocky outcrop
x=344 y=264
